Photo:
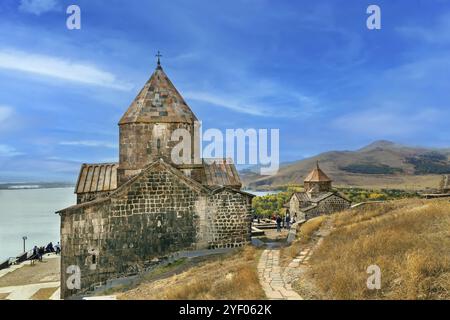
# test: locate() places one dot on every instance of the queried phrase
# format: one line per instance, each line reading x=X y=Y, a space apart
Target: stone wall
x=158 y=213
x=229 y=219
x=153 y=217
x=143 y=143
x=321 y=186
x=327 y=206
x=294 y=208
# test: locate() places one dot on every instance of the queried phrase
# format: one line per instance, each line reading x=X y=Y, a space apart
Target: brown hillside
x=407 y=239
x=382 y=164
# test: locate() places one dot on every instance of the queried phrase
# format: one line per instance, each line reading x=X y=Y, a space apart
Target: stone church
x=146 y=206
x=318 y=197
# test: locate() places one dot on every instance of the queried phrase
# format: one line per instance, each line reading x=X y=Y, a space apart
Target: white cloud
x=226 y=103
x=8 y=151
x=5 y=113
x=89 y=143
x=267 y=104
x=59 y=68
x=38 y=7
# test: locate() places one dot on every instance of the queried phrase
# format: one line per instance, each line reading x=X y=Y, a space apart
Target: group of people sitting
x=38 y=252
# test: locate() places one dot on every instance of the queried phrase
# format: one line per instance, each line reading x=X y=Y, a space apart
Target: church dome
x=158 y=102
x=317 y=175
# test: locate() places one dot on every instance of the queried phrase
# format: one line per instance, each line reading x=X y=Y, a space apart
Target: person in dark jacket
x=49 y=248
x=279 y=220
x=35 y=254
x=288 y=221
x=58 y=248
x=41 y=253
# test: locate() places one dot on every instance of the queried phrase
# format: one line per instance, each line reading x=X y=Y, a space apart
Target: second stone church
x=318 y=197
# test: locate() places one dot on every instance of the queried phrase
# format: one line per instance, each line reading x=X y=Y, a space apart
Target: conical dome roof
x=158 y=102
x=317 y=175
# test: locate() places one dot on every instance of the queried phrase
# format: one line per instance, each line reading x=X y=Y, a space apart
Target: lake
x=262 y=193
x=31 y=213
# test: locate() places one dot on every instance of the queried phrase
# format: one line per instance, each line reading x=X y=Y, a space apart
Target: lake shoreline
x=31 y=213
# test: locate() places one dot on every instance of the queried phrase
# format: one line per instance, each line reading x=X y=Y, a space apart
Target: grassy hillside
x=227 y=277
x=408 y=239
x=382 y=164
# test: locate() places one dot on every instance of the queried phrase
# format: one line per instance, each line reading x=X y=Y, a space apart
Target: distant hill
x=382 y=164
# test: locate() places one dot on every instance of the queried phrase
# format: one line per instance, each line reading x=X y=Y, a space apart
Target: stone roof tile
x=158 y=102
x=317 y=175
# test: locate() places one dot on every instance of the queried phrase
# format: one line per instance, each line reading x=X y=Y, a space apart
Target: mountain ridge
x=381 y=164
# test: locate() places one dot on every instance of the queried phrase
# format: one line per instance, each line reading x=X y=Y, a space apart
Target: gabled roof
x=191 y=183
x=307 y=197
x=158 y=101
x=221 y=172
x=314 y=205
x=317 y=175
x=302 y=196
x=97 y=177
x=321 y=196
x=227 y=188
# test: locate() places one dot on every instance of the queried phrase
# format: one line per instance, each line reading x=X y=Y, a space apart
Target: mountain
x=381 y=164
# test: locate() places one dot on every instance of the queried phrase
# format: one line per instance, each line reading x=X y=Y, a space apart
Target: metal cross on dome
x=159 y=55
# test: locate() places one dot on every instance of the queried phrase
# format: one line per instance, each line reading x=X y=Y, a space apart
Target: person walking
x=288 y=221
x=58 y=248
x=35 y=255
x=41 y=253
x=279 y=220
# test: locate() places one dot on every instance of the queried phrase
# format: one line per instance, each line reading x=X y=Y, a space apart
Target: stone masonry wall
x=228 y=220
x=328 y=206
x=143 y=143
x=294 y=208
x=154 y=217
x=322 y=186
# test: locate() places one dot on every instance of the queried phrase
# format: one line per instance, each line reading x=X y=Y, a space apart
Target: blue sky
x=310 y=68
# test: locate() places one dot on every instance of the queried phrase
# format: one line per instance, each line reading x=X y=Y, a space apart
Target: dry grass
x=408 y=239
x=308 y=228
x=229 y=277
x=305 y=233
